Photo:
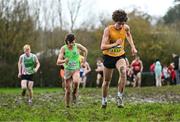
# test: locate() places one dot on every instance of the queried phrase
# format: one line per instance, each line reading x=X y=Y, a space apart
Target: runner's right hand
x=119 y=42
x=19 y=75
x=66 y=60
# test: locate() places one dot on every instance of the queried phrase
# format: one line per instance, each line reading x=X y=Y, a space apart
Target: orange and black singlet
x=114 y=35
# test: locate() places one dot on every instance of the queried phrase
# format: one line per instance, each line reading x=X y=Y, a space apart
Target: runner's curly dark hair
x=119 y=16
x=69 y=38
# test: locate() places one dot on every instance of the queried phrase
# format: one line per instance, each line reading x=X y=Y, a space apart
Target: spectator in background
x=172 y=73
x=137 y=67
x=99 y=71
x=158 y=72
x=165 y=74
x=176 y=67
x=152 y=66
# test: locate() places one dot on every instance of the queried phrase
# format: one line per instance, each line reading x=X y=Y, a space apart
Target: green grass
x=141 y=104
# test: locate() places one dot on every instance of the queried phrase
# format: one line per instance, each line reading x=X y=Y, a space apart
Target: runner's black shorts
x=110 y=62
x=27 y=77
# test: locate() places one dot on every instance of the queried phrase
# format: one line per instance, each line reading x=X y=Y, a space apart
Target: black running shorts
x=27 y=77
x=110 y=62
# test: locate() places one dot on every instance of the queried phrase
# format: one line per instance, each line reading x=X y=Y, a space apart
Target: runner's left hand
x=35 y=69
x=134 y=51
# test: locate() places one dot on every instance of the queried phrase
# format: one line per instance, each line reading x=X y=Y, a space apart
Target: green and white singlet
x=28 y=63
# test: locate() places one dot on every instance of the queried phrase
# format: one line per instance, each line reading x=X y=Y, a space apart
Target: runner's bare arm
x=61 y=59
x=130 y=39
x=37 y=64
x=19 y=67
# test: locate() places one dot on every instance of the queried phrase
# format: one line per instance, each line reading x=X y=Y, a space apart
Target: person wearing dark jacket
x=176 y=67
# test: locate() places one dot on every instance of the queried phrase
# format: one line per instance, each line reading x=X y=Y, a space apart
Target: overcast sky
x=91 y=9
x=152 y=7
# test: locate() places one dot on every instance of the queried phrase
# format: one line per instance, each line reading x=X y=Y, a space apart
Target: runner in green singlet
x=69 y=55
x=28 y=64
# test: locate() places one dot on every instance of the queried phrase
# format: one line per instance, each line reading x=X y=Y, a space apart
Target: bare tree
x=45 y=14
x=73 y=8
x=59 y=11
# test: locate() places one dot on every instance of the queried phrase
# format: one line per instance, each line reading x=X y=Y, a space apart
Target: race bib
x=72 y=64
x=115 y=49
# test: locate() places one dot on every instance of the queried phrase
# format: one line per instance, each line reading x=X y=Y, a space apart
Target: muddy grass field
x=141 y=104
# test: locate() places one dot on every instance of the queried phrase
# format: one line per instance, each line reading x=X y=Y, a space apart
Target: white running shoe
x=120 y=103
x=104 y=105
x=30 y=101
